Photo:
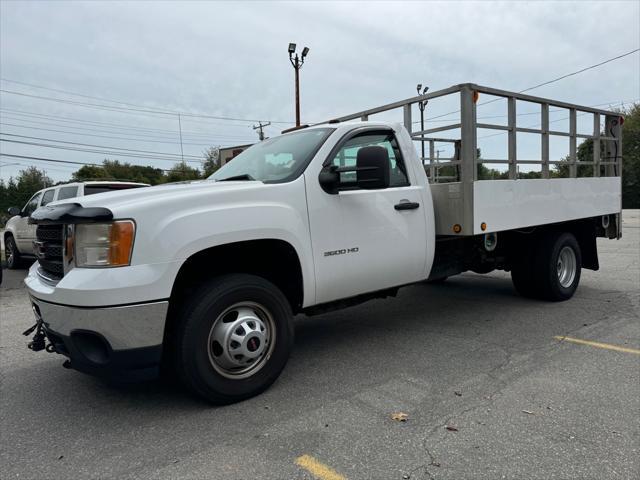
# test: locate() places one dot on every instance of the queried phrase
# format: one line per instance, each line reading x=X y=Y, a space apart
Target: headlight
x=104 y=244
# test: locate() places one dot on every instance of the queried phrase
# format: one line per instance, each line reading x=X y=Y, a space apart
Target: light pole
x=422 y=105
x=297 y=63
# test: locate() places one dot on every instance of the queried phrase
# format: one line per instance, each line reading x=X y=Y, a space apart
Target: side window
x=47 y=197
x=347 y=155
x=32 y=204
x=67 y=192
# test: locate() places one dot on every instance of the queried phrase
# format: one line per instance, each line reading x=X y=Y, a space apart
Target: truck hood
x=125 y=200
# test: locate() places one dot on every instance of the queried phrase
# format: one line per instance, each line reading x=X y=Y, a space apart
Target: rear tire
x=234 y=338
x=558 y=265
x=12 y=253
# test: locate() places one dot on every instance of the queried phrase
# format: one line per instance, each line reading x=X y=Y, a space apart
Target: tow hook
x=37 y=343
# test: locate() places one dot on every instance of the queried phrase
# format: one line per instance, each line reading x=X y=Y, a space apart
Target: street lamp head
x=419 y=87
x=425 y=90
x=305 y=51
x=292 y=48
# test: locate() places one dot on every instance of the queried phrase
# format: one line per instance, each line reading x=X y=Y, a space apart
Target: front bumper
x=121 y=342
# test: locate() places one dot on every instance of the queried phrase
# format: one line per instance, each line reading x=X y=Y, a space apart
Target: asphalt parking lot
x=490 y=386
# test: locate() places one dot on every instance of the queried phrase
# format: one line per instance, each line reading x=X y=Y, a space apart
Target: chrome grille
x=48 y=250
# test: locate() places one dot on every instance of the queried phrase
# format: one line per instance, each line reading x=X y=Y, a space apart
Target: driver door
x=362 y=241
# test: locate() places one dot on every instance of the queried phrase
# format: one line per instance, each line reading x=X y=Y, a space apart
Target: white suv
x=19 y=234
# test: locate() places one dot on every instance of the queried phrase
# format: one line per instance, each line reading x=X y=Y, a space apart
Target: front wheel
x=234 y=338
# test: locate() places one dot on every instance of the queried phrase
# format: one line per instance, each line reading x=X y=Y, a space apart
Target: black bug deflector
x=70 y=213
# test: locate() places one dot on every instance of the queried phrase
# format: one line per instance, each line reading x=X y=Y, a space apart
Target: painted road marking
x=607 y=346
x=317 y=469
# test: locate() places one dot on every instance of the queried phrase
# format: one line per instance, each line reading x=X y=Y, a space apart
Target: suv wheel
x=11 y=253
x=234 y=337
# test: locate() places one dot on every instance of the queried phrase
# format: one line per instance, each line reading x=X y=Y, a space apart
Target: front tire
x=12 y=253
x=234 y=338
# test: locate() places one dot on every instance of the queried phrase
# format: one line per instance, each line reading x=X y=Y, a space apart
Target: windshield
x=278 y=159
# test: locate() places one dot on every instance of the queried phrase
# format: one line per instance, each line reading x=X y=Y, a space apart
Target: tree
x=17 y=191
x=182 y=172
x=115 y=170
x=630 y=158
x=211 y=161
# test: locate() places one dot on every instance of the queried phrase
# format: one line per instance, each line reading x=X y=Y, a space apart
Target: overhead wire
x=582 y=70
x=136 y=110
x=97 y=146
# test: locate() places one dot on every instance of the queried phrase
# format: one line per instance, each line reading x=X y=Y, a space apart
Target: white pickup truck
x=205 y=277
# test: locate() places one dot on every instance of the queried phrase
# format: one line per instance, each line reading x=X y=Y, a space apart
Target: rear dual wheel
x=234 y=338
x=551 y=268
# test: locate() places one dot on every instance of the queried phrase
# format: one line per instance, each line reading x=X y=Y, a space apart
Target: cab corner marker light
x=476 y=96
x=457 y=228
x=483 y=226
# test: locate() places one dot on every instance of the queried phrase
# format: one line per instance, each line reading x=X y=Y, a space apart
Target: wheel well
x=584 y=231
x=273 y=260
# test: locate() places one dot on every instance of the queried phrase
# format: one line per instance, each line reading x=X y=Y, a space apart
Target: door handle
x=406 y=205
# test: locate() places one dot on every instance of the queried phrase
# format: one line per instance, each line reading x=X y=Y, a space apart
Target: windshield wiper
x=244 y=176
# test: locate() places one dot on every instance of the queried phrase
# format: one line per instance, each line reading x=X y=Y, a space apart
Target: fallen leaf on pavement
x=399 y=416
x=528 y=412
x=457 y=394
x=451 y=429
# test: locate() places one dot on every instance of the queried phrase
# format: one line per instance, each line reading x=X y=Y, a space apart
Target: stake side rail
x=464 y=164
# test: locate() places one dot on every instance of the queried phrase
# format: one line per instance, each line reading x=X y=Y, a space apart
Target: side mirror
x=372 y=172
x=13 y=211
x=330 y=179
x=372 y=168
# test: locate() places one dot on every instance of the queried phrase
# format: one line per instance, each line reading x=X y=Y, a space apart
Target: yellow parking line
x=317 y=469
x=607 y=346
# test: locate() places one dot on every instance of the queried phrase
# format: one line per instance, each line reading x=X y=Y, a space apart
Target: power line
x=71 y=162
x=550 y=81
x=140 y=109
x=98 y=146
x=580 y=71
x=104 y=127
x=150 y=140
x=118 y=125
x=101 y=152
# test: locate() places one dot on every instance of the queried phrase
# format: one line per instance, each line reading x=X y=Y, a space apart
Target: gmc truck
x=203 y=278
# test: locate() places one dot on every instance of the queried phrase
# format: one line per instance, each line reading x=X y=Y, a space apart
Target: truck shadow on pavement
x=370 y=331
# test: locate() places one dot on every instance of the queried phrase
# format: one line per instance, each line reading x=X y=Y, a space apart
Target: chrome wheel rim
x=566 y=266
x=241 y=340
x=9 y=251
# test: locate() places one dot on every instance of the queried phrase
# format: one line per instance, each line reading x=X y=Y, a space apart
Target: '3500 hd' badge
x=344 y=251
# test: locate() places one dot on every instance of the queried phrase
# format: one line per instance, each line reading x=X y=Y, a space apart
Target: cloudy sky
x=218 y=59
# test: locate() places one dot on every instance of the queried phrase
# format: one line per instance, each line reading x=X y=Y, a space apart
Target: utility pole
x=259 y=127
x=184 y=165
x=297 y=63
x=422 y=105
